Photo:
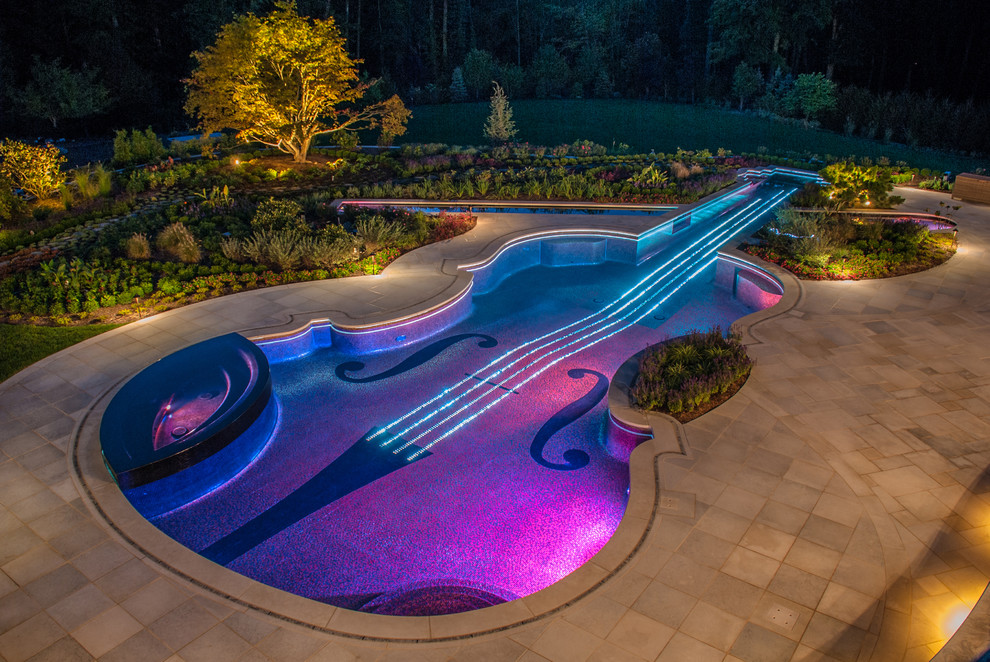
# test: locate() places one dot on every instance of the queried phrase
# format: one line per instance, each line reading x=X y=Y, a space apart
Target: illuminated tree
x=282 y=80
x=500 y=128
x=853 y=185
x=37 y=170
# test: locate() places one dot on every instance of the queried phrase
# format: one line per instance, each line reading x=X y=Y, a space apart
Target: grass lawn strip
x=23 y=344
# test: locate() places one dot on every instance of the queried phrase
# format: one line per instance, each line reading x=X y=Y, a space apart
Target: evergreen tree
x=550 y=72
x=746 y=83
x=479 y=69
x=458 y=91
x=815 y=95
x=500 y=128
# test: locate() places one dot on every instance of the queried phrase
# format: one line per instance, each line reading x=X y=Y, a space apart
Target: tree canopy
x=282 y=80
x=35 y=168
x=56 y=92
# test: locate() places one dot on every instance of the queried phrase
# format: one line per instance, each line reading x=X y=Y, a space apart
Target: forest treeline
x=912 y=71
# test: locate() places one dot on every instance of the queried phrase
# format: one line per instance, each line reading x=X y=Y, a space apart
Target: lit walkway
x=837 y=508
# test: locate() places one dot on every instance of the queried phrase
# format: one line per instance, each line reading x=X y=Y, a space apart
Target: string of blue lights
x=555 y=346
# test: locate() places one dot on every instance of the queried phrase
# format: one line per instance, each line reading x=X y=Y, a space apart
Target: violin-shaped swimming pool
x=434 y=472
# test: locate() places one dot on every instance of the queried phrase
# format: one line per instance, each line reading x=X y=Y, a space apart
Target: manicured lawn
x=23 y=344
x=646 y=125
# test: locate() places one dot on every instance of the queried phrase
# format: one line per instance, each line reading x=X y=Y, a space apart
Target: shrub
x=276 y=215
x=283 y=248
x=137 y=182
x=139 y=147
x=11 y=205
x=231 y=247
x=36 y=169
x=65 y=195
x=177 y=241
x=448 y=225
x=138 y=247
x=320 y=252
x=376 y=233
x=685 y=373
x=169 y=287
x=87 y=188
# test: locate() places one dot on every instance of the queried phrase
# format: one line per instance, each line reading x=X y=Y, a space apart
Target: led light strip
x=588 y=341
x=536 y=374
x=603 y=314
x=720 y=233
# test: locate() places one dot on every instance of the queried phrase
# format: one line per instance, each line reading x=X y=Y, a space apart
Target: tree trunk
x=381 y=40
x=518 y=38
x=443 y=34
x=304 y=149
x=434 y=60
x=357 y=53
x=470 y=18
x=830 y=67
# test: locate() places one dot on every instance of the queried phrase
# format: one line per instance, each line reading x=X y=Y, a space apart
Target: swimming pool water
x=346 y=507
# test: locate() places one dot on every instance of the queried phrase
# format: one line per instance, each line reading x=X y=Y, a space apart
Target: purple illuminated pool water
x=490 y=505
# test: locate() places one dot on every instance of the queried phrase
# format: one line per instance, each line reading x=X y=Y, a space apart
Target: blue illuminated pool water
x=469 y=467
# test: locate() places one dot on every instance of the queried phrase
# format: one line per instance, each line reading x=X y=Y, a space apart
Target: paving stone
x=56 y=585
x=180 y=625
x=797 y=585
x=751 y=567
x=640 y=635
x=30 y=637
x=77 y=608
x=712 y=626
x=65 y=649
x=756 y=644
x=15 y=608
x=107 y=631
x=32 y=564
x=664 y=604
x=289 y=645
x=826 y=533
x=219 y=644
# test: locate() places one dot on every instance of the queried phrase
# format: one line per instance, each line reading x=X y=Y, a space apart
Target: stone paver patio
x=838 y=508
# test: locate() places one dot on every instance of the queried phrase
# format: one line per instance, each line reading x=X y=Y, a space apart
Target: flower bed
x=820 y=247
x=690 y=375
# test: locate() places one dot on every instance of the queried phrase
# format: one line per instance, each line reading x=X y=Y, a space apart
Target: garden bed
x=688 y=376
x=123 y=245
x=821 y=246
